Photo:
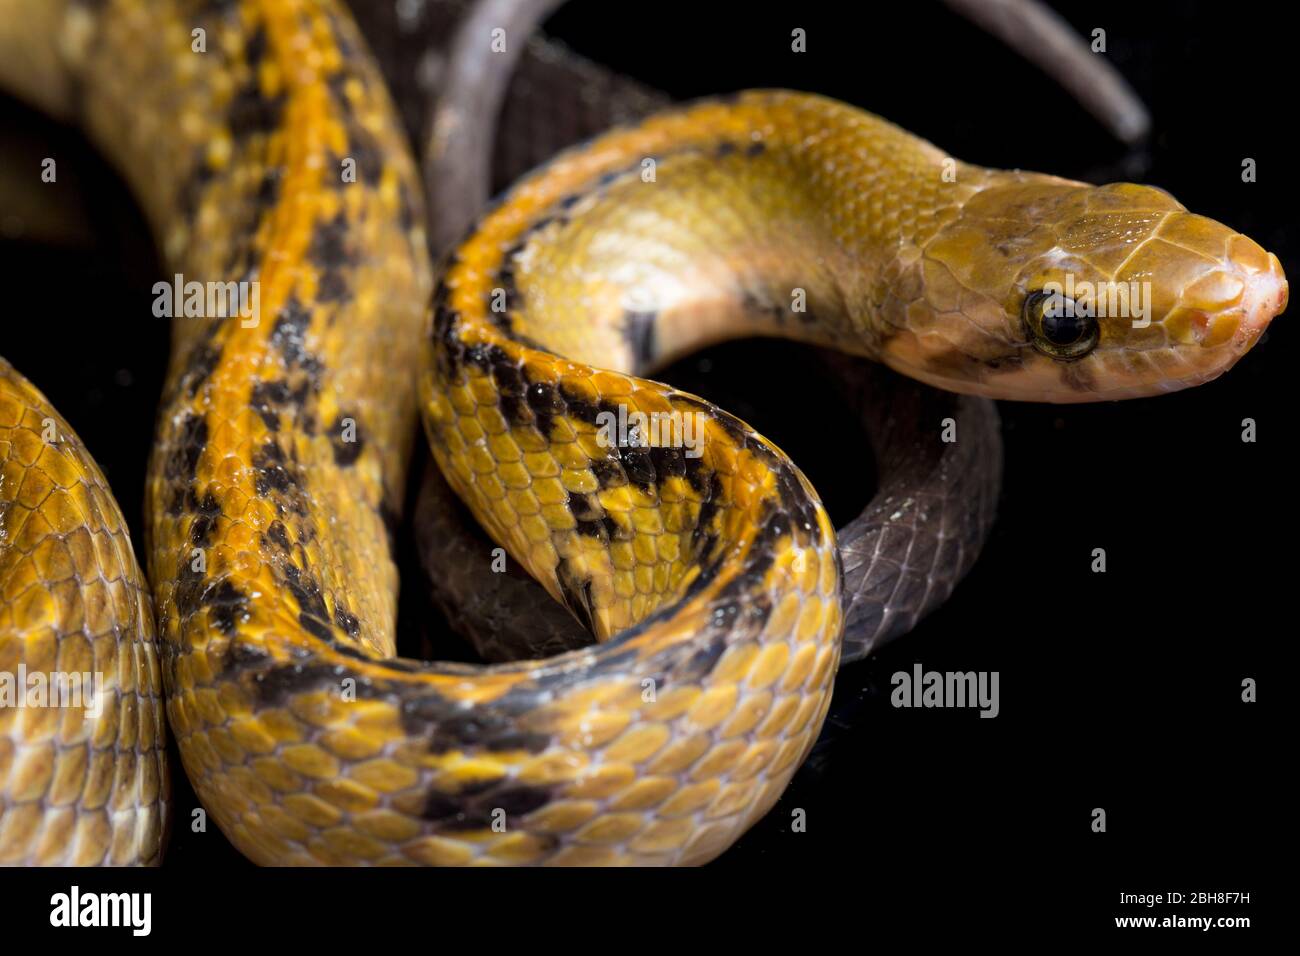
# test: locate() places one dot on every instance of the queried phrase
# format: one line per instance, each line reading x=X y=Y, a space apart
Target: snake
x=261 y=142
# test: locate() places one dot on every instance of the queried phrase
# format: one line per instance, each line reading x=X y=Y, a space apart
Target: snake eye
x=1058 y=327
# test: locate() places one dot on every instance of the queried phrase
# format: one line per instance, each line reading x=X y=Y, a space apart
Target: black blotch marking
x=313 y=615
x=348 y=650
x=476 y=811
x=280 y=536
x=608 y=472
x=545 y=403
x=329 y=253
x=448 y=726
x=191 y=439
x=450 y=353
x=492 y=733
x=226 y=605
x=795 y=500
x=361 y=143
x=251 y=112
x=704 y=536
x=668 y=461
x=584 y=410
x=444 y=317
x=333 y=287
x=347 y=622
x=755 y=149
x=181 y=498
x=591 y=517
x=602 y=528
x=440 y=806
x=729 y=423
x=697 y=473
x=255 y=49
x=505 y=281
x=268 y=190
x=306 y=592
x=519 y=800
x=707 y=652
x=290 y=336
x=280 y=683
x=268 y=398
x=243 y=654
x=272 y=475
x=201 y=529
x=638 y=465
x=189 y=587
x=509 y=381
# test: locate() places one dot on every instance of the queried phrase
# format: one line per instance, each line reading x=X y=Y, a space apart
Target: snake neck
x=773 y=213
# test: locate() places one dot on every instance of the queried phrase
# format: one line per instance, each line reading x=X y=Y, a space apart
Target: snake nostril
x=1199 y=326
x=1189 y=325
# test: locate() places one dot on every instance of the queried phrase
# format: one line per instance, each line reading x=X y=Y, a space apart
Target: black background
x=1119 y=690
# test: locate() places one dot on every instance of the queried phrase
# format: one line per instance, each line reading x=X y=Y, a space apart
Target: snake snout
x=1223 y=312
x=1266 y=296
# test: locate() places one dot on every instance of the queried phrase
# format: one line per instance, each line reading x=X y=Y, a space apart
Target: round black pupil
x=1061 y=329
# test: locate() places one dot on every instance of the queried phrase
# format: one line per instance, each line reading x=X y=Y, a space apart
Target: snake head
x=1044 y=289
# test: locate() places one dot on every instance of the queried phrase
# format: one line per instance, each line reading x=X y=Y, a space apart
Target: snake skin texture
x=931 y=511
x=712 y=581
x=83 y=761
x=933 y=508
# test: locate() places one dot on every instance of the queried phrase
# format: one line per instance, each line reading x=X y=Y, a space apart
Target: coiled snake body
x=712 y=581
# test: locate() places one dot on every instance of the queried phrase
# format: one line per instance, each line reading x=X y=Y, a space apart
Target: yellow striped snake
x=263 y=147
